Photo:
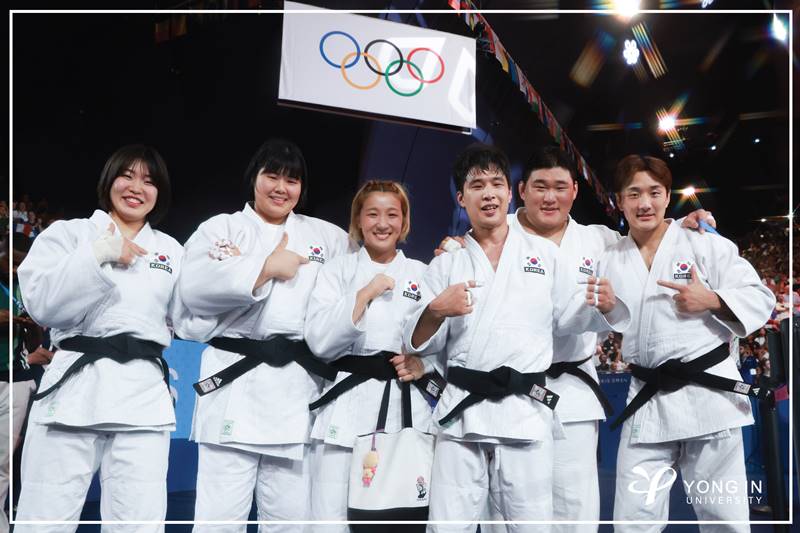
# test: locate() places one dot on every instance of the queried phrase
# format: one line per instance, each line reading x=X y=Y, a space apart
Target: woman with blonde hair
x=355 y=320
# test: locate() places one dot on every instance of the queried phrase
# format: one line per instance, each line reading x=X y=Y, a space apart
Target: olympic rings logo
x=350 y=60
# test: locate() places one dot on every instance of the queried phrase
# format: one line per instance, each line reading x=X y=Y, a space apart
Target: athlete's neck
x=554 y=234
x=129 y=229
x=491 y=241
x=279 y=221
x=381 y=256
x=649 y=240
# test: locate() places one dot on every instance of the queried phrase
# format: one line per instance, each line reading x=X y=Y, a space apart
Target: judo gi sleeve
x=737 y=284
x=61 y=280
x=213 y=283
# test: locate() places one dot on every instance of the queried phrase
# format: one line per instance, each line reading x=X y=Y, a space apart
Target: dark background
x=84 y=84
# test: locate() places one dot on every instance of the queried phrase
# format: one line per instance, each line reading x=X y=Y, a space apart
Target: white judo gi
x=576 y=492
x=115 y=416
x=694 y=429
x=331 y=333
x=503 y=448
x=253 y=433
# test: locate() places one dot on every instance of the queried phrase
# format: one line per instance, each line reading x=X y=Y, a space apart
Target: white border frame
x=790 y=52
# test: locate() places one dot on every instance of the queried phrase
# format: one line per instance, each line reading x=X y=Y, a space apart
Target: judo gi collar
x=394 y=268
x=251 y=213
x=516 y=222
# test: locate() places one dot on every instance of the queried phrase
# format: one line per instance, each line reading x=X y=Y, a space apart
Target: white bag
x=390 y=472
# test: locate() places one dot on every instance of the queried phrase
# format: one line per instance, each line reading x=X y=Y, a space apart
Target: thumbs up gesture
x=283 y=264
x=693 y=297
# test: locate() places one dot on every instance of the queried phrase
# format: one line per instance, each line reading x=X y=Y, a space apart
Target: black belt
x=498 y=383
x=277 y=351
x=120 y=348
x=572 y=368
x=363 y=368
x=673 y=375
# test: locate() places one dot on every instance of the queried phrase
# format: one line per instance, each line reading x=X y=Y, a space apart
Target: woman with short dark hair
x=104 y=286
x=250 y=274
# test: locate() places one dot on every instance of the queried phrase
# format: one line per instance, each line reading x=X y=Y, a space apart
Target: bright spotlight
x=713 y=147
x=667 y=123
x=627 y=8
x=631 y=53
x=688 y=191
x=671 y=155
x=779 y=28
x=763 y=220
x=756 y=140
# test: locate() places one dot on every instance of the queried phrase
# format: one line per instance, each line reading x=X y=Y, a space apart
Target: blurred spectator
x=608 y=355
x=767 y=249
x=27 y=219
x=20 y=214
x=602 y=365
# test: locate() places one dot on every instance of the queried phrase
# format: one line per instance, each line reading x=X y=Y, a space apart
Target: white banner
x=374 y=66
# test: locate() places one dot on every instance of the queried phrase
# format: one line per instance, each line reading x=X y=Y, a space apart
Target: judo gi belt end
x=365 y=367
x=674 y=374
x=499 y=383
x=277 y=351
x=573 y=368
x=120 y=348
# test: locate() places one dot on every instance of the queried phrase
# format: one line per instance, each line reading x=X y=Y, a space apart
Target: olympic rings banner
x=378 y=67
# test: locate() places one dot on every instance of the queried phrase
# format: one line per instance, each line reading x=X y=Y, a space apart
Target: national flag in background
x=512 y=71
x=522 y=82
x=500 y=52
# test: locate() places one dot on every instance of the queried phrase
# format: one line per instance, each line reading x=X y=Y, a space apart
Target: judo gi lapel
x=493 y=293
x=101 y=220
x=661 y=260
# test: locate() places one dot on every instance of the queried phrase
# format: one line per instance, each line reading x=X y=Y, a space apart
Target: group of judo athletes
x=290 y=308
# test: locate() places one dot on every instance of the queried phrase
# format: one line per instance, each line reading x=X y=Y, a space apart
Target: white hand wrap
x=108 y=248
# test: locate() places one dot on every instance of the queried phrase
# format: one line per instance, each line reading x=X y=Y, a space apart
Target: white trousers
x=330 y=467
x=576 y=490
x=713 y=473
x=19 y=410
x=58 y=465
x=227 y=478
x=516 y=478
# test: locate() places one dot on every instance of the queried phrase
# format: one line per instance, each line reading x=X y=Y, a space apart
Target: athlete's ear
x=460 y=199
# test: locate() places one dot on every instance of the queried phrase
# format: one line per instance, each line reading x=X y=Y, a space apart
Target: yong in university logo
x=698 y=491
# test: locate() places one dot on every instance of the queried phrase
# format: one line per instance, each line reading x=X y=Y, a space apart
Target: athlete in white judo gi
x=104 y=285
x=493 y=307
x=250 y=275
x=355 y=315
x=689 y=294
x=548 y=189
